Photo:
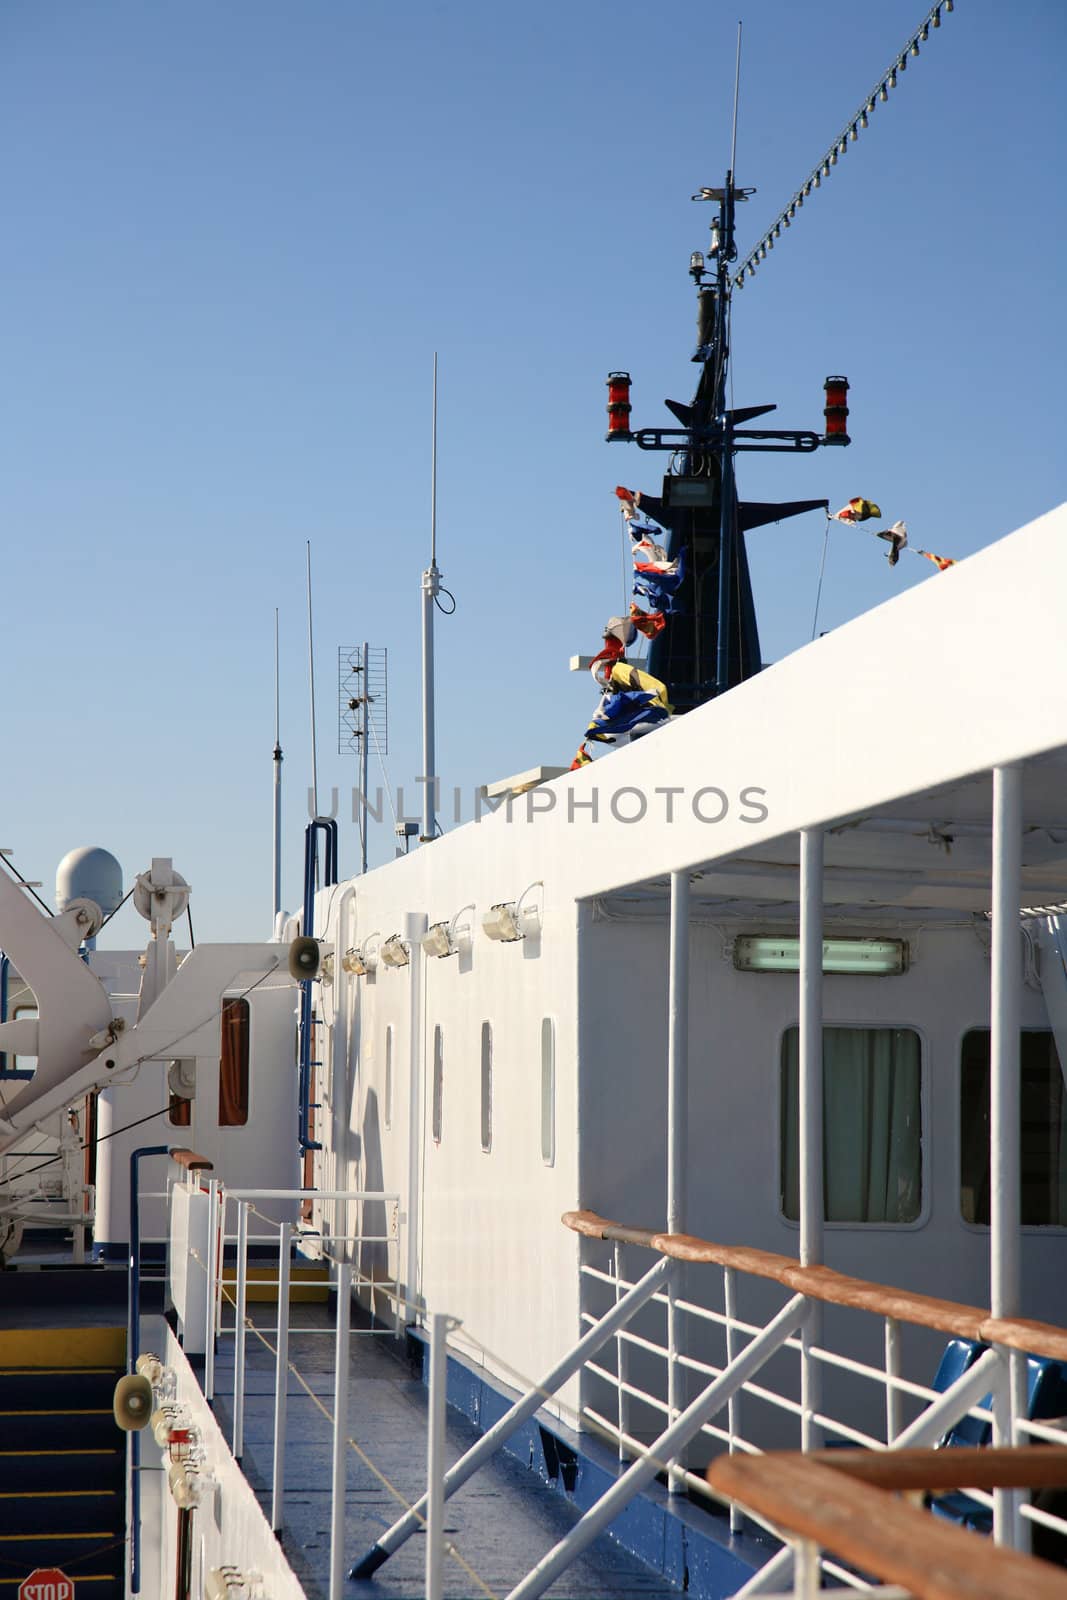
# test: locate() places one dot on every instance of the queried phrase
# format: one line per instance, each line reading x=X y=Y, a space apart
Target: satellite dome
x=89 y=873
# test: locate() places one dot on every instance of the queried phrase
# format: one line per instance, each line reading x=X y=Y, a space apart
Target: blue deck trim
x=691 y=1548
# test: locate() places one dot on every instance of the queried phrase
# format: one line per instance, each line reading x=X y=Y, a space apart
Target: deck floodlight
x=511 y=920
x=437 y=941
x=842 y=957
x=361 y=959
x=395 y=952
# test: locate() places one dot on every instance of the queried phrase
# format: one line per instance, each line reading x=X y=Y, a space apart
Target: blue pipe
x=133 y=1339
x=328 y=826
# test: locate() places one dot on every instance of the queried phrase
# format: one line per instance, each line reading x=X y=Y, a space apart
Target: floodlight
x=395 y=952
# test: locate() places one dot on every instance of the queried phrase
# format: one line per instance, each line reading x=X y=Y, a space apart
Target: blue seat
x=1046 y=1396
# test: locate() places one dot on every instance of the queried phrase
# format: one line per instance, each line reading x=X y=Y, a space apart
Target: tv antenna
x=362 y=715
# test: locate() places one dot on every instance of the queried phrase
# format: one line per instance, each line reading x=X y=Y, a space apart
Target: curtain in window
x=872 y=1134
x=233 y=1065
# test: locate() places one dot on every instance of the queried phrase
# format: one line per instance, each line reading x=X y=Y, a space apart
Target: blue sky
x=234 y=236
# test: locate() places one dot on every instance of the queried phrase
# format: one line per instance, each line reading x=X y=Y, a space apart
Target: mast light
x=836 y=411
x=618 y=406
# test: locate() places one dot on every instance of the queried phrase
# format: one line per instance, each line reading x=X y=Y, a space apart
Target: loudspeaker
x=305 y=957
x=133 y=1402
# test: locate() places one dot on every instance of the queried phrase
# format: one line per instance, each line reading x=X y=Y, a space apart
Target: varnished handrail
x=897 y=1542
x=837 y=1288
x=189 y=1159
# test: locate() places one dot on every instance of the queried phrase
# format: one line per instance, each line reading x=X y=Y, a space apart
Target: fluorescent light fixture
x=846 y=957
x=395 y=952
x=501 y=922
x=437 y=940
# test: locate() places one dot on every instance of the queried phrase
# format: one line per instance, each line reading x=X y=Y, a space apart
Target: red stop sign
x=47 y=1583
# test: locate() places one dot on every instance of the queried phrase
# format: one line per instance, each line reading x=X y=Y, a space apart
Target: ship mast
x=711 y=642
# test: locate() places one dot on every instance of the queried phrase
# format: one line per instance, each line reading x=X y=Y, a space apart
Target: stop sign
x=47 y=1583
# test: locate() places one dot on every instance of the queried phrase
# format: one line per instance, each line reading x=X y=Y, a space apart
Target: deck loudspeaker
x=133 y=1402
x=305 y=956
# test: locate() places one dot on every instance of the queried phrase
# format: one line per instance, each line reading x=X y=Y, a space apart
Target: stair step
x=79 y=1429
x=80 y=1555
x=51 y=1388
x=73 y=1510
x=306 y=1284
x=62 y=1469
x=63 y=1348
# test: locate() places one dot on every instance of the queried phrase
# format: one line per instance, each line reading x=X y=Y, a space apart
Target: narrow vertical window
x=548 y=1091
x=438 y=1081
x=233 y=1064
x=487 y=1086
x=389 y=1076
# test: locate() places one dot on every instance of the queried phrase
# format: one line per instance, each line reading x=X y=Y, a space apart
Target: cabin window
x=438 y=1082
x=233 y=1064
x=1042 y=1130
x=872 y=1125
x=389 y=1076
x=487 y=1086
x=548 y=1091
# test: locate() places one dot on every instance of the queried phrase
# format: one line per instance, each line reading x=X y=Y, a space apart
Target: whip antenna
x=277 y=778
x=311 y=680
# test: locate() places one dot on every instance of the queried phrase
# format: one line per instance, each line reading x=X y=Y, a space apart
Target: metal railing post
x=733 y=1409
x=209 y=1298
x=239 y=1331
x=133 y=1344
x=281 y=1380
x=893 y=1397
x=677 y=1129
x=1004 y=1125
x=810 y=1132
x=340 y=1431
x=622 y=1361
x=435 y=1456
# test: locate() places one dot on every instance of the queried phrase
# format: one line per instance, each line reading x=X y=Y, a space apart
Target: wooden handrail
x=1029 y=1466
x=191 y=1161
x=875 y=1531
x=837 y=1288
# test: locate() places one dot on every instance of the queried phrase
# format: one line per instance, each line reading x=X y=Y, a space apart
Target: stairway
x=62 y=1458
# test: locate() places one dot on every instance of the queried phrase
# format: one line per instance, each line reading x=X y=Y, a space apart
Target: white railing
x=340 y=1250
x=992 y=1390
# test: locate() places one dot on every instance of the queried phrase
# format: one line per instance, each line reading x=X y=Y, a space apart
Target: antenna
x=431 y=588
x=737 y=87
x=277 y=779
x=311 y=681
x=363 y=715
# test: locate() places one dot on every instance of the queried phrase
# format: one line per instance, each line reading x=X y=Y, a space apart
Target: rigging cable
x=857 y=123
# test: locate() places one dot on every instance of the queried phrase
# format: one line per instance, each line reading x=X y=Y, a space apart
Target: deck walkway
x=502 y=1522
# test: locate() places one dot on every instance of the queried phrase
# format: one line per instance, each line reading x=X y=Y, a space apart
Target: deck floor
x=501 y=1522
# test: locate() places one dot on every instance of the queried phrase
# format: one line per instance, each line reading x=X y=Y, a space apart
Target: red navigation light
x=836 y=411
x=618 y=406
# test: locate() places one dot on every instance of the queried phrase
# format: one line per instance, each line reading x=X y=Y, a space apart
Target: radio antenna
x=431 y=588
x=277 y=779
x=737 y=88
x=311 y=681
